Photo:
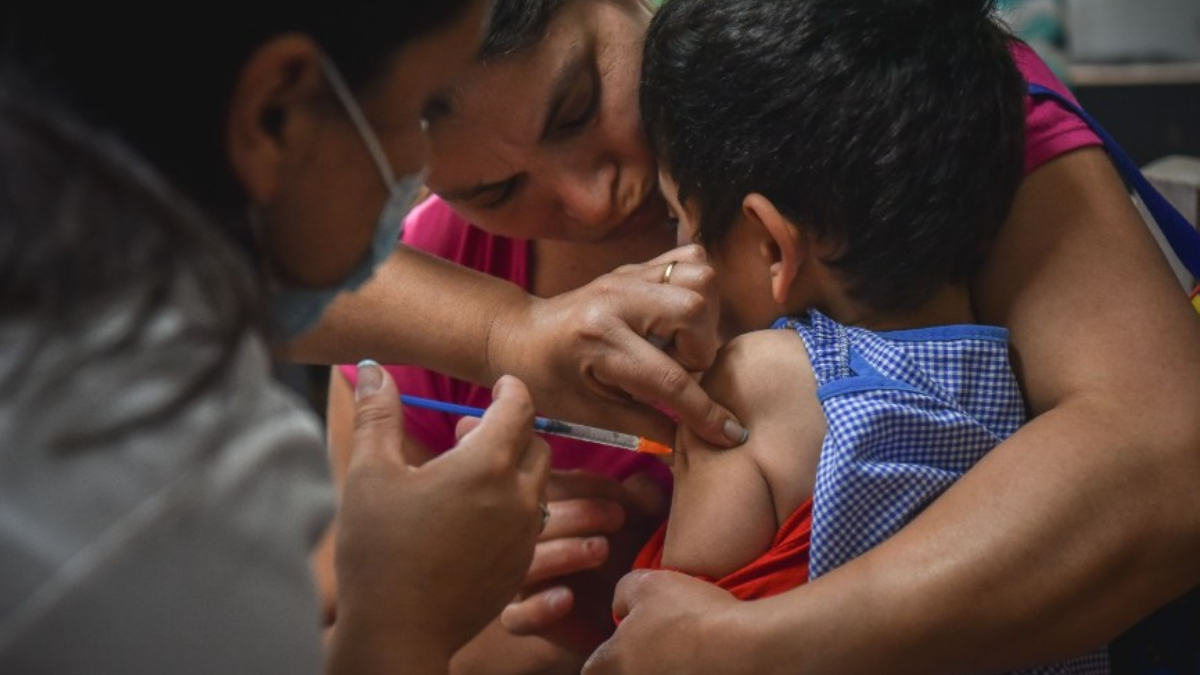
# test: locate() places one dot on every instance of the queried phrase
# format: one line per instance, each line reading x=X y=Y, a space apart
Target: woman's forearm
x=1054 y=544
x=416 y=309
x=583 y=354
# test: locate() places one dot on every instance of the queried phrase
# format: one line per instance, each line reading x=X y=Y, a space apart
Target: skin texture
x=981 y=581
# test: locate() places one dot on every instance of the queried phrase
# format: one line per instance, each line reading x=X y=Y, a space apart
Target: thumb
x=704 y=416
x=626 y=594
x=377 y=420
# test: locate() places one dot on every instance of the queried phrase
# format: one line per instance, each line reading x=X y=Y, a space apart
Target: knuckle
x=368 y=416
x=706 y=277
x=692 y=252
x=495 y=466
x=606 y=286
x=627 y=268
x=674 y=381
x=692 y=306
x=595 y=323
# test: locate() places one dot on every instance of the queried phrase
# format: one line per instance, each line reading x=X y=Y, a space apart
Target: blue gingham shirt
x=908 y=413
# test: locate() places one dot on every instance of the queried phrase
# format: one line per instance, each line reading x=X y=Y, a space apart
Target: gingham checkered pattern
x=908 y=413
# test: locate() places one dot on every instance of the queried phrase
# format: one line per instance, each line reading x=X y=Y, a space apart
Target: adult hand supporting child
x=599 y=337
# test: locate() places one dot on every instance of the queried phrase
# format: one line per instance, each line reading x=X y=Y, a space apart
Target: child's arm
x=728 y=504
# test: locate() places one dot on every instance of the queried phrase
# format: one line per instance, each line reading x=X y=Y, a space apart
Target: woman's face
x=546 y=143
x=319 y=220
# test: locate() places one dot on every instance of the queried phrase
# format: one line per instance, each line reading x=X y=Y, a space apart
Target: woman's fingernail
x=597 y=547
x=736 y=432
x=557 y=598
x=369 y=379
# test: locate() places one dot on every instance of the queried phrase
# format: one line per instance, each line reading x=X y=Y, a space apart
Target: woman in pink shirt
x=543 y=179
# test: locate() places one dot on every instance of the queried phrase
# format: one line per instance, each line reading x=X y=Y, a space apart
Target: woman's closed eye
x=579 y=110
x=500 y=194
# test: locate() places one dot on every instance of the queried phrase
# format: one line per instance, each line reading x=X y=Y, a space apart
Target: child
x=846 y=164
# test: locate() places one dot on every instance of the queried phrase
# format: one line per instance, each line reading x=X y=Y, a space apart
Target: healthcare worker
x=174 y=188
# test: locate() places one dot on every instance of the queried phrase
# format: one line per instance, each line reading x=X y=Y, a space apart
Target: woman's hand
x=427 y=556
x=667 y=622
x=596 y=528
x=608 y=352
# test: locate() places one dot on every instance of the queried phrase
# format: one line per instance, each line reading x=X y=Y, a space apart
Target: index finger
x=648 y=374
x=686 y=253
x=506 y=430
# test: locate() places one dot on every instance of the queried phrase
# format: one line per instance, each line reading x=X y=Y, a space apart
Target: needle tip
x=650 y=447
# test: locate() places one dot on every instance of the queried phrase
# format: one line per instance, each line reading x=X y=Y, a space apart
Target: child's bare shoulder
x=766 y=380
x=760 y=364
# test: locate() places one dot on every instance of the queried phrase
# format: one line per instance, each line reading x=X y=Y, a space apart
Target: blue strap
x=1179 y=233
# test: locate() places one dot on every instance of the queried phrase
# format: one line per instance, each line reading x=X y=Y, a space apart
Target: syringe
x=553 y=427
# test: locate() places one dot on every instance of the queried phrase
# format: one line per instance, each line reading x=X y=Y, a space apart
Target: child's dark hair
x=893 y=128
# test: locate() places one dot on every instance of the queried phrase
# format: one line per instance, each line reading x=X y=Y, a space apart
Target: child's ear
x=267 y=118
x=782 y=247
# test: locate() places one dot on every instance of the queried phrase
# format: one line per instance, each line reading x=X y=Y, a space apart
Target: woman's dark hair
x=93 y=246
x=161 y=77
x=893 y=128
x=517 y=24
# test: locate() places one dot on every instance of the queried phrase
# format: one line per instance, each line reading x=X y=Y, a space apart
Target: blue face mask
x=297 y=310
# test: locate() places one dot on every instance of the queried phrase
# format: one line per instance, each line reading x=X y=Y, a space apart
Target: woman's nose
x=589 y=195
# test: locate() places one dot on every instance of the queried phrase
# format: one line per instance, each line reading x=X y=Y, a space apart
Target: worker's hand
x=427 y=556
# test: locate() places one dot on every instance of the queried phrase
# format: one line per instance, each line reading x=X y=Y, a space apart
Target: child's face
x=740 y=261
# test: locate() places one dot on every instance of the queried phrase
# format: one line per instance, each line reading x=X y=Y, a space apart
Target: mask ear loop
x=350 y=103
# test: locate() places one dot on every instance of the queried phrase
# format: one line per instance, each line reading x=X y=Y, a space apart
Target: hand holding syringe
x=553 y=427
